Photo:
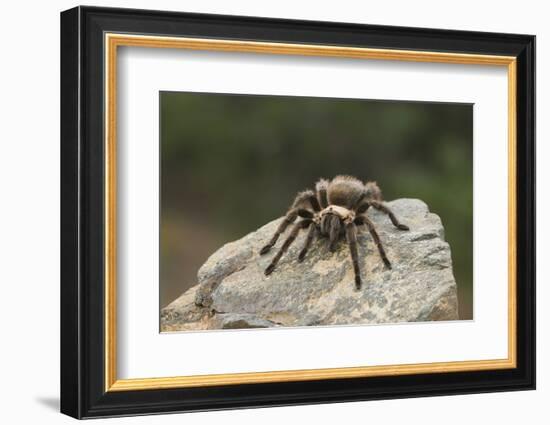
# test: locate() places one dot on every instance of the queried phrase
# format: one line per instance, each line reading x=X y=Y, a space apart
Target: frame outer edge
x=532 y=125
x=528 y=56
x=70 y=296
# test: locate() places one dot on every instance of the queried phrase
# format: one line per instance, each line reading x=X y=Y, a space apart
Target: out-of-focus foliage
x=230 y=163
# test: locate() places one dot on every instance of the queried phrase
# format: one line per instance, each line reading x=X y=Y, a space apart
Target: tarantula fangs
x=335 y=209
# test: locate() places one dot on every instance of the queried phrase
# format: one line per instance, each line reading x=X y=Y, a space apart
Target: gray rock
x=240 y=321
x=233 y=292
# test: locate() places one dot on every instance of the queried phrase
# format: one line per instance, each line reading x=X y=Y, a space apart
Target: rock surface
x=233 y=292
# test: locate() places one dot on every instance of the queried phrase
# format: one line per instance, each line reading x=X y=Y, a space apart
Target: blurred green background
x=231 y=163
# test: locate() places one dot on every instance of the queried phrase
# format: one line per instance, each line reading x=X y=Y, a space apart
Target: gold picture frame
x=114 y=41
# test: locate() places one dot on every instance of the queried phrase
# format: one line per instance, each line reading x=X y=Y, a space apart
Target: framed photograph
x=261 y=212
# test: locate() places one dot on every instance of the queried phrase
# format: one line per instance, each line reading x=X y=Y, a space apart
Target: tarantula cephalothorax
x=335 y=209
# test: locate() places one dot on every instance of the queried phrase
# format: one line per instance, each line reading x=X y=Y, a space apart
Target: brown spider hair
x=336 y=208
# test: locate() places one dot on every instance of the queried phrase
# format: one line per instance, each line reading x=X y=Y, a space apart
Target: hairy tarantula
x=335 y=209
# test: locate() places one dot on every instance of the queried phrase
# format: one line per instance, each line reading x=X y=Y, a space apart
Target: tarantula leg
x=290 y=217
x=373 y=191
x=381 y=207
x=359 y=203
x=363 y=219
x=321 y=188
x=362 y=207
x=351 y=236
x=295 y=230
x=305 y=213
x=334 y=233
x=309 y=197
x=309 y=239
x=314 y=202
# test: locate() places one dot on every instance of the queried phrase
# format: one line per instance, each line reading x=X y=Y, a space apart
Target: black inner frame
x=82 y=217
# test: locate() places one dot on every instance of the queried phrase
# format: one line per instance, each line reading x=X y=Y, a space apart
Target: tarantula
x=335 y=209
